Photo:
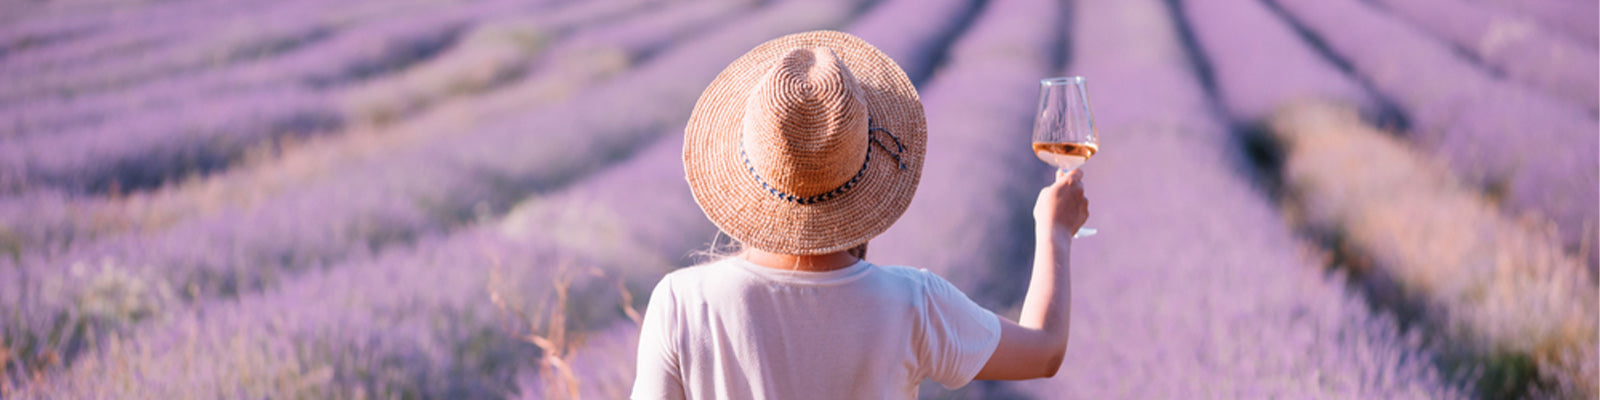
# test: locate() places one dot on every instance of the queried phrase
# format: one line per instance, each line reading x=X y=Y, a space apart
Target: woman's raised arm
x=1035 y=345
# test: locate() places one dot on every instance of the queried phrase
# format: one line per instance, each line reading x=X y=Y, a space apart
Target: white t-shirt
x=735 y=330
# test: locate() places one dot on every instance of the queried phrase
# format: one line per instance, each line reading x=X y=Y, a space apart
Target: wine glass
x=1063 y=131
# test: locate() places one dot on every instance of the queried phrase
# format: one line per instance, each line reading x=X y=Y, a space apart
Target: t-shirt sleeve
x=657 y=374
x=959 y=335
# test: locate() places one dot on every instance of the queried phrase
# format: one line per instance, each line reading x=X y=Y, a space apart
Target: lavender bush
x=47 y=39
x=16 y=37
x=915 y=35
x=1258 y=62
x=1525 y=52
x=1536 y=152
x=147 y=149
x=81 y=159
x=48 y=113
x=1573 y=18
x=245 y=37
x=1157 y=78
x=189 y=51
x=492 y=53
x=1503 y=287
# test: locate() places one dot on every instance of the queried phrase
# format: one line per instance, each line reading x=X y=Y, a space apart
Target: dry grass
x=1498 y=287
x=549 y=328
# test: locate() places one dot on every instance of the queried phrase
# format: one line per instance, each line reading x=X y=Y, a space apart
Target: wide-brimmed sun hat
x=809 y=144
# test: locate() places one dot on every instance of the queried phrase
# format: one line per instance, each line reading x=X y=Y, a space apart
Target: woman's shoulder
x=925 y=282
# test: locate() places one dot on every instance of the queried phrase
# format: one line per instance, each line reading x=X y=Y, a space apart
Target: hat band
x=842 y=189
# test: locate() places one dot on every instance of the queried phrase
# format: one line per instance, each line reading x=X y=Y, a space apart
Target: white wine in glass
x=1063 y=131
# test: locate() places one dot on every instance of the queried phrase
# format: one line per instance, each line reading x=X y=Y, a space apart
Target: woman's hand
x=1062 y=203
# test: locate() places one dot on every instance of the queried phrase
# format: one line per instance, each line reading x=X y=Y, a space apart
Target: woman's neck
x=816 y=263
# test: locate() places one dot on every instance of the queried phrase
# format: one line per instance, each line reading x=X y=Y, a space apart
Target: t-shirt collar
x=805 y=277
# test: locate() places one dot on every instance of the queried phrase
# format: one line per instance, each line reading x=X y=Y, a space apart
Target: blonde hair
x=721 y=246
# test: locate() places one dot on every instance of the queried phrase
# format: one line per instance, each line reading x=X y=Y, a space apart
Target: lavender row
x=433 y=321
x=598 y=54
x=146 y=150
x=644 y=38
x=157 y=152
x=173 y=120
x=156 y=49
x=1151 y=90
x=40 y=42
x=917 y=47
x=50 y=218
x=498 y=52
x=1523 y=51
x=1539 y=151
x=1576 y=19
x=349 y=55
x=237 y=39
x=410 y=193
x=19 y=34
x=975 y=193
x=1194 y=286
x=1491 y=285
x=1258 y=62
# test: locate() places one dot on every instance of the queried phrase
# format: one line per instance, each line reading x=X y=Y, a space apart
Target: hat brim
x=734 y=201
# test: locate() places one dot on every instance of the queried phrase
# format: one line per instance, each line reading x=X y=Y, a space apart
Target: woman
x=802 y=150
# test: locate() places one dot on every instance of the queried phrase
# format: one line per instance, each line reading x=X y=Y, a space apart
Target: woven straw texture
x=795 y=106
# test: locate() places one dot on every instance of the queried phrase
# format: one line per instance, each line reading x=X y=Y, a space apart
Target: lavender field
x=473 y=198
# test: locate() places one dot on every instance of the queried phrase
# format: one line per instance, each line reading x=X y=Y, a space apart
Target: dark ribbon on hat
x=842 y=189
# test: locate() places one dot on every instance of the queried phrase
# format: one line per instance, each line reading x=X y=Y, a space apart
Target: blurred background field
x=472 y=198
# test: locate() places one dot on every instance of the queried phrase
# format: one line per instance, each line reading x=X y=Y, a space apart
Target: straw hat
x=809 y=144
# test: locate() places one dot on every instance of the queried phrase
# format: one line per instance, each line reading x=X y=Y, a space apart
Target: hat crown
x=805 y=123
